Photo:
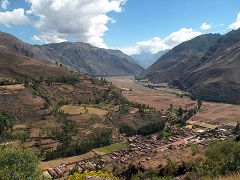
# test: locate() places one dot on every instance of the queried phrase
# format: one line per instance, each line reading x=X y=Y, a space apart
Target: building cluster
x=140 y=146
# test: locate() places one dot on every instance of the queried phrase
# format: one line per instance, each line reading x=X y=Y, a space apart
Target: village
x=141 y=149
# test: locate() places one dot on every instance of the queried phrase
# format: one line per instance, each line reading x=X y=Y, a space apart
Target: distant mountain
x=184 y=56
x=206 y=66
x=218 y=76
x=78 y=56
x=146 y=59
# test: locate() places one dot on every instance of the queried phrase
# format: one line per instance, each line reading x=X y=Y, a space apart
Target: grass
x=113 y=147
x=101 y=105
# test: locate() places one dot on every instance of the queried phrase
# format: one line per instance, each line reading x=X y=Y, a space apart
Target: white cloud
x=82 y=20
x=236 y=24
x=129 y=50
x=48 y=38
x=4 y=4
x=15 y=17
x=157 y=44
x=205 y=26
x=180 y=36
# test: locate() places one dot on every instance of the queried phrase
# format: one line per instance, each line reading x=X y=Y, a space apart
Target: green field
x=113 y=147
x=101 y=105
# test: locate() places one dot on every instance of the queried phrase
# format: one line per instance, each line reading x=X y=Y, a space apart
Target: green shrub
x=18 y=164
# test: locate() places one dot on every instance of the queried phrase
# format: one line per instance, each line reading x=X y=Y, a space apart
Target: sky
x=133 y=26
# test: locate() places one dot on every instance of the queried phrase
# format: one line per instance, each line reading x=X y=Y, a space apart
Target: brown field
x=73 y=110
x=10 y=89
x=211 y=113
x=157 y=99
x=96 y=111
x=218 y=114
x=76 y=110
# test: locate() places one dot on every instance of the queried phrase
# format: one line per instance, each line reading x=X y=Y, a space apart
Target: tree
x=237 y=129
x=199 y=104
x=221 y=158
x=6 y=124
x=180 y=111
x=171 y=168
x=18 y=164
x=123 y=108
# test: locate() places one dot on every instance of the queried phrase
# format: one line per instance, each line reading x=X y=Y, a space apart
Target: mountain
x=78 y=56
x=146 y=59
x=179 y=59
x=217 y=78
x=30 y=88
x=207 y=66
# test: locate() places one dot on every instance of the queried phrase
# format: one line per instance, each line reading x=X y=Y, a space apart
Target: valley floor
x=210 y=113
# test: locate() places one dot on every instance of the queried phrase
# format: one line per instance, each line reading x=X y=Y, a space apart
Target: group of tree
x=6 y=82
x=71 y=80
x=114 y=96
x=184 y=115
x=103 y=81
x=6 y=125
x=124 y=108
x=237 y=128
x=66 y=131
x=221 y=158
x=144 y=130
x=18 y=164
x=99 y=138
x=165 y=134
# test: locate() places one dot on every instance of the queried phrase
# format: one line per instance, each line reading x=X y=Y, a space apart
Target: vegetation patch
x=18 y=164
x=113 y=147
x=73 y=110
x=100 y=105
x=92 y=175
x=99 y=139
x=144 y=130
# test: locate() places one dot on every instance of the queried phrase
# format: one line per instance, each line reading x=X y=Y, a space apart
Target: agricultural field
x=157 y=99
x=113 y=147
x=218 y=114
x=210 y=113
x=77 y=110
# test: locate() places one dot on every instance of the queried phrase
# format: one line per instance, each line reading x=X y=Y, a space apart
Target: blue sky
x=132 y=26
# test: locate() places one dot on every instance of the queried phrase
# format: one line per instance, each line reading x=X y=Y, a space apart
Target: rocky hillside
x=78 y=56
x=207 y=66
x=179 y=59
x=29 y=88
x=218 y=76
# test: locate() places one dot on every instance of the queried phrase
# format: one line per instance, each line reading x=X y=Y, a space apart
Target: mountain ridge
x=213 y=76
x=77 y=56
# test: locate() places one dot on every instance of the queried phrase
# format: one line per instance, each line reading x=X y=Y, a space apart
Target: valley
x=150 y=152
x=141 y=94
x=211 y=113
x=73 y=121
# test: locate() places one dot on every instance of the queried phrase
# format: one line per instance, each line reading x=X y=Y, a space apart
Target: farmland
x=157 y=99
x=113 y=147
x=211 y=113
